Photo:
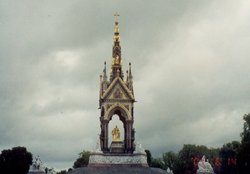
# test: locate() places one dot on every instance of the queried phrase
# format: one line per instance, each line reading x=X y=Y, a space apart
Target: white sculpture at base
x=169 y=171
x=37 y=166
x=139 y=149
x=204 y=166
x=98 y=147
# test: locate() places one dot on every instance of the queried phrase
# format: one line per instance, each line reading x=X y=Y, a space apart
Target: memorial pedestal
x=117 y=170
x=118 y=160
x=117 y=147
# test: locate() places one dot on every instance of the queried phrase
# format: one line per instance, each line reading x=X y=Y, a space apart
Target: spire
x=116 y=52
x=127 y=76
x=116 y=32
x=130 y=78
x=103 y=80
x=130 y=72
x=105 y=72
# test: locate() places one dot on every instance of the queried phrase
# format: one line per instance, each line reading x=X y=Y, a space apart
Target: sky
x=190 y=65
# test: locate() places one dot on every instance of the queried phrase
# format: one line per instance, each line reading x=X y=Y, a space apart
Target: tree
x=244 y=152
x=149 y=157
x=154 y=162
x=49 y=170
x=16 y=160
x=82 y=160
x=190 y=154
x=215 y=159
x=157 y=163
x=62 y=172
x=228 y=154
x=169 y=160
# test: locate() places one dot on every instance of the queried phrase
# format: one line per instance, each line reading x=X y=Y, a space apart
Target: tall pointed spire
x=130 y=72
x=130 y=78
x=116 y=47
x=116 y=52
x=105 y=78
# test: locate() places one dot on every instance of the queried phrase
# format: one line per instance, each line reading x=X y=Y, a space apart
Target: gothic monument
x=121 y=155
x=117 y=98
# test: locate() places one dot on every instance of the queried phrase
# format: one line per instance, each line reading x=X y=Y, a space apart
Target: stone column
x=106 y=136
x=130 y=133
x=130 y=136
x=102 y=134
x=125 y=137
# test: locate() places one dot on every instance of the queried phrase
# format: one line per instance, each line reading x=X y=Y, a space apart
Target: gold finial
x=116 y=36
x=116 y=17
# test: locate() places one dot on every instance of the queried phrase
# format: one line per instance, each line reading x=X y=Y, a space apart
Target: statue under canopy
x=116 y=134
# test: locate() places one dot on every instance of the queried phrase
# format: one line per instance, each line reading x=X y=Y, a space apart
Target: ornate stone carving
x=127 y=106
x=108 y=106
x=117 y=94
x=120 y=107
x=101 y=159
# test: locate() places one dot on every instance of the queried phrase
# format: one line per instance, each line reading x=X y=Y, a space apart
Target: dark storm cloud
x=189 y=61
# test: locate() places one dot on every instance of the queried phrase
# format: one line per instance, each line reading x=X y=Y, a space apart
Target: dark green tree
x=169 y=160
x=149 y=157
x=228 y=155
x=157 y=163
x=189 y=152
x=16 y=160
x=178 y=166
x=62 y=172
x=154 y=162
x=82 y=160
x=244 y=152
x=214 y=159
x=49 y=170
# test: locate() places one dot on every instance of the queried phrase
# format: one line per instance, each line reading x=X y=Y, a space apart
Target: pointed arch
x=120 y=110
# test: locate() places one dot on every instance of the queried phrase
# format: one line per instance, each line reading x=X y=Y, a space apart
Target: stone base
x=117 y=170
x=117 y=160
x=117 y=147
x=36 y=172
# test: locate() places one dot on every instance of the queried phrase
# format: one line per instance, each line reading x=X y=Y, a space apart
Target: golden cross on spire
x=116 y=16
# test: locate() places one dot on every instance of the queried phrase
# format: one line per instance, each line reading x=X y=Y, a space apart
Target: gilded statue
x=117 y=60
x=116 y=134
